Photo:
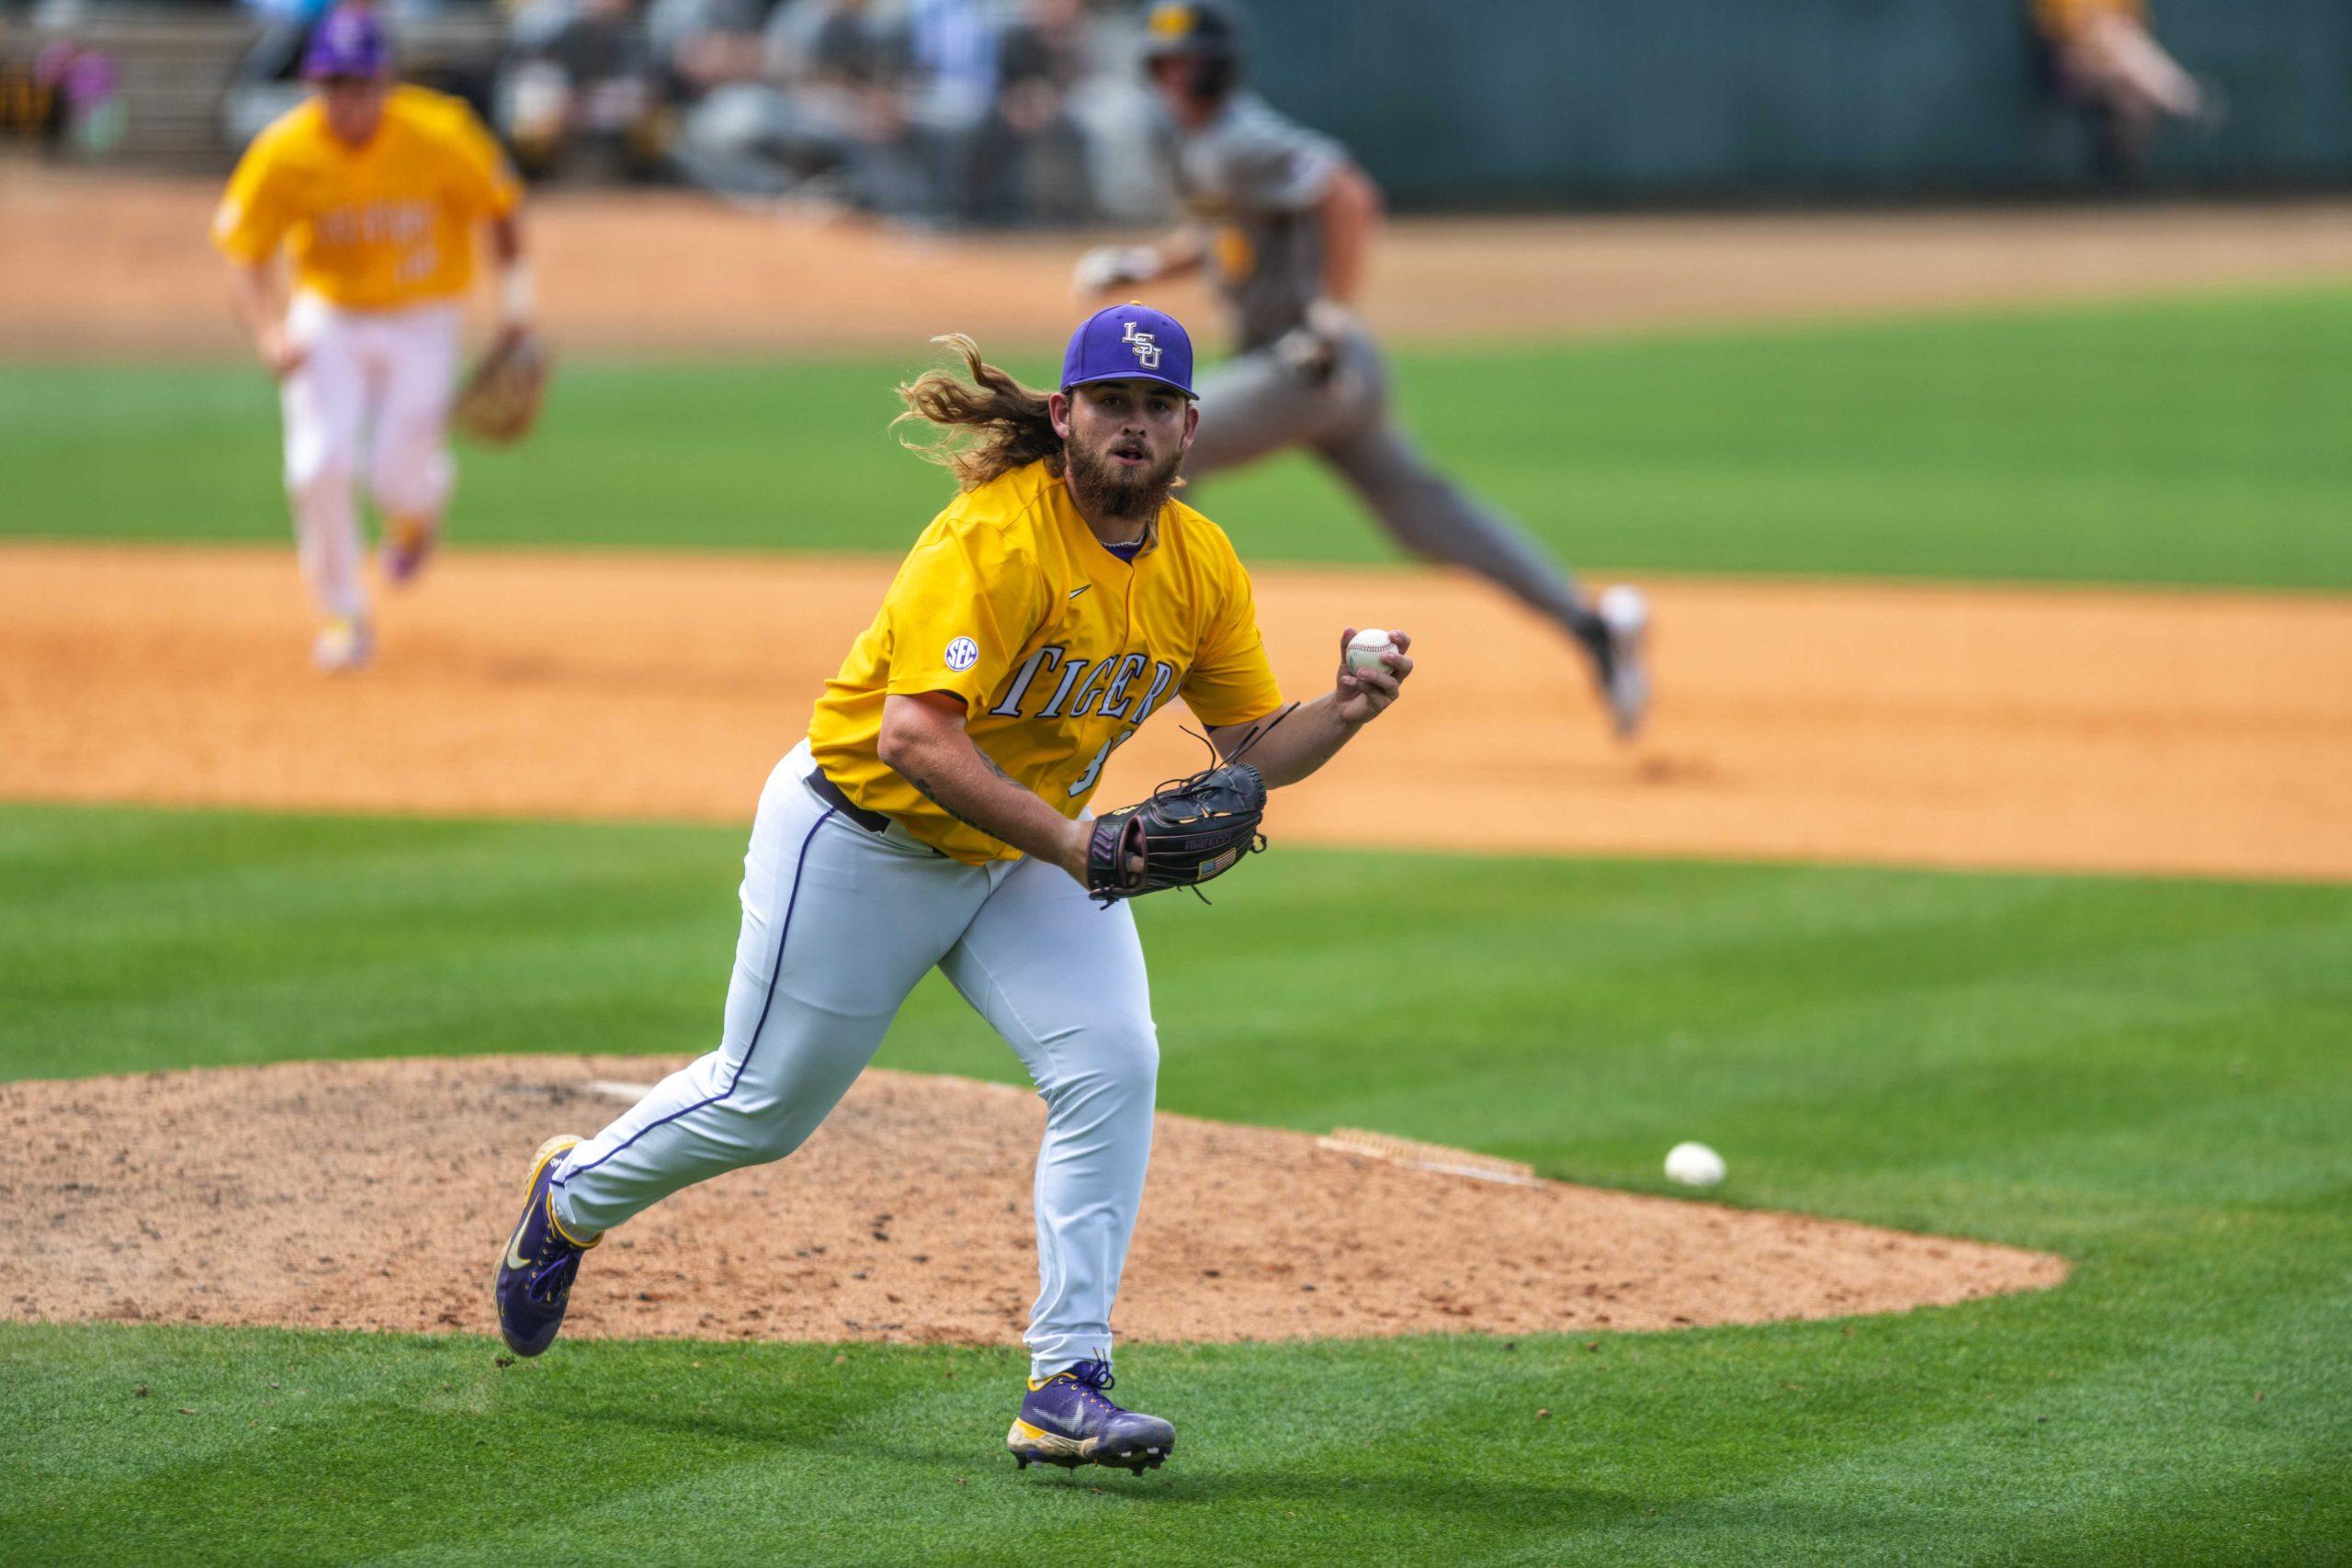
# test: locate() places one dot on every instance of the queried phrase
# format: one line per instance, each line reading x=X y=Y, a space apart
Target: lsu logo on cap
x=1147 y=351
x=1170 y=20
x=962 y=654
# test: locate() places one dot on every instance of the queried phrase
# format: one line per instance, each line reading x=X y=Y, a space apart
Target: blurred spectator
x=735 y=132
x=814 y=106
x=992 y=112
x=2105 y=57
x=1121 y=129
x=927 y=111
x=581 y=92
x=77 y=89
x=66 y=98
x=954 y=47
x=1032 y=159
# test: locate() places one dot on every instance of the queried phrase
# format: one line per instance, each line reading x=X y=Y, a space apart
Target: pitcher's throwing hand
x=1368 y=685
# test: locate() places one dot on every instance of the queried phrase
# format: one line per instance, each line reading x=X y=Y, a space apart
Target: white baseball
x=1365 y=649
x=1694 y=1164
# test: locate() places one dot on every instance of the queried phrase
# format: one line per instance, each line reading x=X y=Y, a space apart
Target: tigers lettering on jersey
x=1114 y=691
x=1058 y=649
x=375 y=224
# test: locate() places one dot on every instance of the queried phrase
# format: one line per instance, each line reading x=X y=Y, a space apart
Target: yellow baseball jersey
x=375 y=227
x=1058 y=648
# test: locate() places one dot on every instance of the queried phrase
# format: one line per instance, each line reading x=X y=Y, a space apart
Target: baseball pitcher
x=375 y=191
x=1284 y=220
x=935 y=816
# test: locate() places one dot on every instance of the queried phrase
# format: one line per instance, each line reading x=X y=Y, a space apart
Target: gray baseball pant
x=1253 y=405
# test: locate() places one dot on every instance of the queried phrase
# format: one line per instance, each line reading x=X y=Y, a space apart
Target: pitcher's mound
x=379 y=1194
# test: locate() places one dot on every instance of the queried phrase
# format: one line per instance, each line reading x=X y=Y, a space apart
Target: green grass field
x=2147 y=1076
x=2195 y=441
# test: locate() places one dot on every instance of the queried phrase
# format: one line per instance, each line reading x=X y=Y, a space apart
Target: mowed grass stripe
x=1974 y=1434
x=2147 y=1076
x=2250 y=1489
x=2194 y=440
x=245 y=938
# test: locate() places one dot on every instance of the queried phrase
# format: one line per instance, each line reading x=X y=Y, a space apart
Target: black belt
x=831 y=794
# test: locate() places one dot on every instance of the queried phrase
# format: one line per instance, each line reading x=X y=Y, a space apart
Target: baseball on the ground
x=1365 y=647
x=1694 y=1164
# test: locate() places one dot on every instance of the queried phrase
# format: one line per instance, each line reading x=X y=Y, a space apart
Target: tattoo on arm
x=925 y=788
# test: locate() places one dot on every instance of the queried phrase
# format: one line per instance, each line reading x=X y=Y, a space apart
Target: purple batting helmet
x=349 y=42
x=1129 y=343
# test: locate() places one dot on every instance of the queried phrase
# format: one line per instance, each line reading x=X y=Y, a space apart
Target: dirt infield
x=120 y=267
x=905 y=1218
x=2172 y=732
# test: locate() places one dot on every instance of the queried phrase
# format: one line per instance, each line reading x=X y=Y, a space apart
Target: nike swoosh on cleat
x=514 y=1258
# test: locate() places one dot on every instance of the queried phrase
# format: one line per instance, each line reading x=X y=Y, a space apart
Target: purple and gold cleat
x=535 y=1275
x=408 y=545
x=1066 y=1421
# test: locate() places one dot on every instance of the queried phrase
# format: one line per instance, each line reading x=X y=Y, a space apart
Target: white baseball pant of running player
x=395 y=369
x=839 y=925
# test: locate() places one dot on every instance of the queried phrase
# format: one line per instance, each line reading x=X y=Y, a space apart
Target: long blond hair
x=985 y=426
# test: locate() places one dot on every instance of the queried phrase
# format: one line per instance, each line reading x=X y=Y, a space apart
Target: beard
x=1107 y=491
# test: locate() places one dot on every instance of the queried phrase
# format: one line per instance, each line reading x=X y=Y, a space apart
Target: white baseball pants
x=393 y=370
x=839 y=925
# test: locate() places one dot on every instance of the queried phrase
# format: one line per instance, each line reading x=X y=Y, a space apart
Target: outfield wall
x=1536 y=102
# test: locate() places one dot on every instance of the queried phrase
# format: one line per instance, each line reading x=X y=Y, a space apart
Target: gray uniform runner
x=1253 y=179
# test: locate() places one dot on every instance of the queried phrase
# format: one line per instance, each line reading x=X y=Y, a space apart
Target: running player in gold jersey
x=373 y=191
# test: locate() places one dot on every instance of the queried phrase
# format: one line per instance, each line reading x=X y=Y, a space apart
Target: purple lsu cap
x=1129 y=343
x=348 y=43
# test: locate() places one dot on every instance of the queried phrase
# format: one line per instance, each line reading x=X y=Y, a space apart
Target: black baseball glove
x=1181 y=835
